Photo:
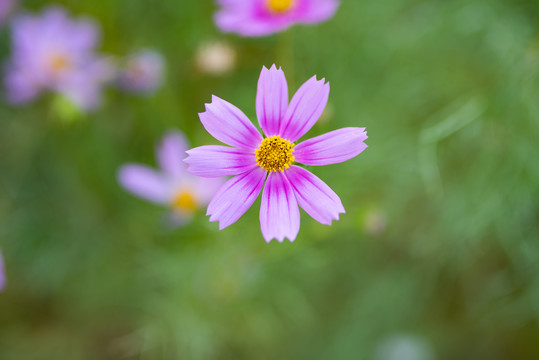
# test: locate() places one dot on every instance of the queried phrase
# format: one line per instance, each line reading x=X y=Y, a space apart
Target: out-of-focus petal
x=305 y=109
x=83 y=86
x=318 y=10
x=235 y=197
x=331 y=148
x=205 y=188
x=271 y=100
x=228 y=124
x=216 y=161
x=279 y=212
x=171 y=152
x=2 y=274
x=6 y=6
x=19 y=87
x=145 y=183
x=314 y=196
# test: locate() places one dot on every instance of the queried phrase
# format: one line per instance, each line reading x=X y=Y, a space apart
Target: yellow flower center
x=280 y=6
x=185 y=201
x=275 y=154
x=59 y=63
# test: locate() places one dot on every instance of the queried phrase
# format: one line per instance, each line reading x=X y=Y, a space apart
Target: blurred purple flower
x=251 y=157
x=54 y=52
x=6 y=6
x=265 y=17
x=143 y=72
x=172 y=186
x=2 y=274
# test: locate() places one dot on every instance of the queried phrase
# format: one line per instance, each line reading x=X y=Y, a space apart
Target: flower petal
x=216 y=160
x=319 y=10
x=271 y=100
x=228 y=124
x=2 y=274
x=145 y=183
x=171 y=152
x=314 y=196
x=305 y=109
x=279 y=212
x=235 y=197
x=331 y=148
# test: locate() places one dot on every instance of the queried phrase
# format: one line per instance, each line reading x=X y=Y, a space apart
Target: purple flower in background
x=54 y=52
x=2 y=274
x=264 y=17
x=6 y=6
x=172 y=186
x=255 y=159
x=142 y=72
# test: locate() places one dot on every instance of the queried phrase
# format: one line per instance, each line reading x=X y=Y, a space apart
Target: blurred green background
x=437 y=256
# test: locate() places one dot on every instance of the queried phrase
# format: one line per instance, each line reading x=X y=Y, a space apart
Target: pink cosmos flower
x=172 y=186
x=256 y=160
x=264 y=17
x=52 y=51
x=142 y=72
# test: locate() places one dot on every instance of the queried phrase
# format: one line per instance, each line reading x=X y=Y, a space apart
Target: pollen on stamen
x=275 y=154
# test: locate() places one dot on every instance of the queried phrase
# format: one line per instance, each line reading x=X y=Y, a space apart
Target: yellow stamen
x=280 y=6
x=275 y=154
x=185 y=201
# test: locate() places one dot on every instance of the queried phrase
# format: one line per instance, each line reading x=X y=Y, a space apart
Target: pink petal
x=2 y=274
x=205 y=188
x=319 y=10
x=279 y=212
x=228 y=124
x=216 y=160
x=331 y=148
x=271 y=100
x=314 y=196
x=235 y=197
x=305 y=109
x=171 y=152
x=145 y=183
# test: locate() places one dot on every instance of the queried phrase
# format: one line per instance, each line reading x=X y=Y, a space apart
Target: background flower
x=2 y=273
x=172 y=186
x=142 y=72
x=215 y=58
x=53 y=52
x=265 y=17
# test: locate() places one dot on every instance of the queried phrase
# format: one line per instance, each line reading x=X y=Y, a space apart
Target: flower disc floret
x=275 y=154
x=280 y=6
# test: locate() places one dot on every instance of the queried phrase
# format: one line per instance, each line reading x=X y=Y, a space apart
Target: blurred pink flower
x=6 y=6
x=265 y=17
x=53 y=52
x=142 y=72
x=2 y=274
x=170 y=186
x=253 y=158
